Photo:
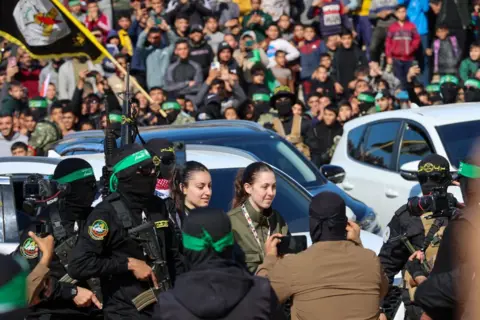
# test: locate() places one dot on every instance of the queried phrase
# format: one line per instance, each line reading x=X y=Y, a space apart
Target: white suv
x=375 y=149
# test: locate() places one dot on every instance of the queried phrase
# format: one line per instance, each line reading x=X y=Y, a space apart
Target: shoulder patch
x=386 y=235
x=98 y=230
x=29 y=249
x=161 y=224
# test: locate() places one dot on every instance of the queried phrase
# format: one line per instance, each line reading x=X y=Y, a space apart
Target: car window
x=290 y=201
x=353 y=144
x=284 y=157
x=379 y=146
x=414 y=146
x=458 y=139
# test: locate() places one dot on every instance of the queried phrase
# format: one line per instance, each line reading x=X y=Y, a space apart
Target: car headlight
x=369 y=222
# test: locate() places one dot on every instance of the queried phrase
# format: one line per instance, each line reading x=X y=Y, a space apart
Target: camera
x=39 y=192
x=441 y=203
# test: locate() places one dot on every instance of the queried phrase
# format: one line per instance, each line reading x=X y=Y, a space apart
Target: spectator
x=230 y=113
x=86 y=126
x=286 y=27
x=69 y=120
x=227 y=12
x=50 y=73
x=181 y=26
x=9 y=136
x=313 y=104
x=310 y=57
x=446 y=52
x=257 y=20
x=19 y=149
x=96 y=19
x=28 y=74
x=249 y=55
x=157 y=12
x=69 y=76
x=401 y=44
x=75 y=7
x=344 y=112
x=283 y=75
x=29 y=122
x=195 y=10
x=332 y=16
x=212 y=34
x=323 y=84
x=117 y=81
x=258 y=81
x=331 y=44
x=157 y=59
x=346 y=60
x=184 y=76
x=456 y=17
x=298 y=35
x=320 y=137
x=361 y=22
x=417 y=13
x=200 y=50
x=383 y=102
x=13 y=101
x=50 y=94
x=366 y=100
x=231 y=40
x=382 y=12
x=273 y=43
x=470 y=66
x=276 y=8
x=351 y=275
x=56 y=112
x=216 y=287
x=124 y=24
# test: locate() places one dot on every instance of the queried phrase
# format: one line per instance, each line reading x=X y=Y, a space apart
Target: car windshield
x=284 y=157
x=458 y=139
x=291 y=202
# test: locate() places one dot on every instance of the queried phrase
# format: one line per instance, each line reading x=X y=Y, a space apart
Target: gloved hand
x=414 y=267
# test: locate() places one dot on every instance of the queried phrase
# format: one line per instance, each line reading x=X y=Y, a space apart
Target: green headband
x=366 y=98
x=77 y=175
x=38 y=104
x=206 y=241
x=115 y=117
x=433 y=88
x=449 y=79
x=13 y=294
x=469 y=170
x=171 y=106
x=125 y=163
x=472 y=83
x=261 y=97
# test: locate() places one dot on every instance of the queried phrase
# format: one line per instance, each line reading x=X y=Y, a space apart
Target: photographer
x=406 y=229
x=77 y=189
x=336 y=271
x=444 y=293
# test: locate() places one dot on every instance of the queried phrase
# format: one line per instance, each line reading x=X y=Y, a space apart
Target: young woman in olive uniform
x=252 y=217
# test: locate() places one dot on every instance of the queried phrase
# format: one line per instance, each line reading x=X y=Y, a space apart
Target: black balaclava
x=207 y=235
x=163 y=157
x=328 y=219
x=284 y=107
x=128 y=163
x=468 y=172
x=449 y=89
x=13 y=287
x=366 y=101
x=433 y=172
x=472 y=90
x=82 y=189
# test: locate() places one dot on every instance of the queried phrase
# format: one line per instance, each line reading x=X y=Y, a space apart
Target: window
x=414 y=146
x=379 y=145
x=353 y=144
x=458 y=139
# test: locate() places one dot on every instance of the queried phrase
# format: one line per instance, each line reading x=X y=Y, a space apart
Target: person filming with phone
x=335 y=272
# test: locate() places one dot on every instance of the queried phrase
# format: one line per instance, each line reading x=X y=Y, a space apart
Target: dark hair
x=309 y=26
x=55 y=106
x=156 y=88
x=19 y=145
x=400 y=6
x=346 y=32
x=280 y=51
x=442 y=26
x=247 y=175
x=325 y=55
x=14 y=83
x=181 y=177
x=154 y=30
x=385 y=82
x=181 y=41
x=90 y=122
x=475 y=44
x=344 y=103
x=124 y=15
x=69 y=109
x=210 y=17
x=122 y=56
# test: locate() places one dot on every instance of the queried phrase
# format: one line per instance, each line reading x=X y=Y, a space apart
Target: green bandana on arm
x=469 y=170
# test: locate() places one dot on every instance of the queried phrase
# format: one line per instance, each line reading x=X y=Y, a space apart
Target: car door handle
x=348 y=186
x=391 y=193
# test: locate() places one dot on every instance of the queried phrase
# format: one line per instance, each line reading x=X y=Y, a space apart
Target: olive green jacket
x=244 y=236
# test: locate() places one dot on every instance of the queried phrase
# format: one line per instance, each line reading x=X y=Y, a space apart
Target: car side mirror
x=409 y=170
x=333 y=173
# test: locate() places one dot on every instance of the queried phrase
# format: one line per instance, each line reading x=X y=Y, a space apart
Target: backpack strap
x=453 y=41
x=121 y=210
x=278 y=127
x=296 y=126
x=436 y=49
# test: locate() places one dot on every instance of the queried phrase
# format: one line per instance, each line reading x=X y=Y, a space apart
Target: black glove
x=415 y=269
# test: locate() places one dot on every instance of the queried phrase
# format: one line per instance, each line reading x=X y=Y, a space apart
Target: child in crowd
x=281 y=72
x=470 y=65
x=446 y=52
x=310 y=53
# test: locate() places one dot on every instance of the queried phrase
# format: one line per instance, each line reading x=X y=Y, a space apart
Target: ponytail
x=247 y=175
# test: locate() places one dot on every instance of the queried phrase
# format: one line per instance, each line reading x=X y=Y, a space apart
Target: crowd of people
x=300 y=69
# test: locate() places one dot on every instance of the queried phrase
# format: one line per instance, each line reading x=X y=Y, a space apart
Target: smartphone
x=12 y=62
x=291 y=245
x=215 y=65
x=249 y=43
x=415 y=63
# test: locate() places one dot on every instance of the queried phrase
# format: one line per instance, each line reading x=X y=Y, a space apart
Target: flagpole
x=104 y=51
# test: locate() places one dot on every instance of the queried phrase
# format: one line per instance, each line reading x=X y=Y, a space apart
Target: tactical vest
x=432 y=243
x=295 y=136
